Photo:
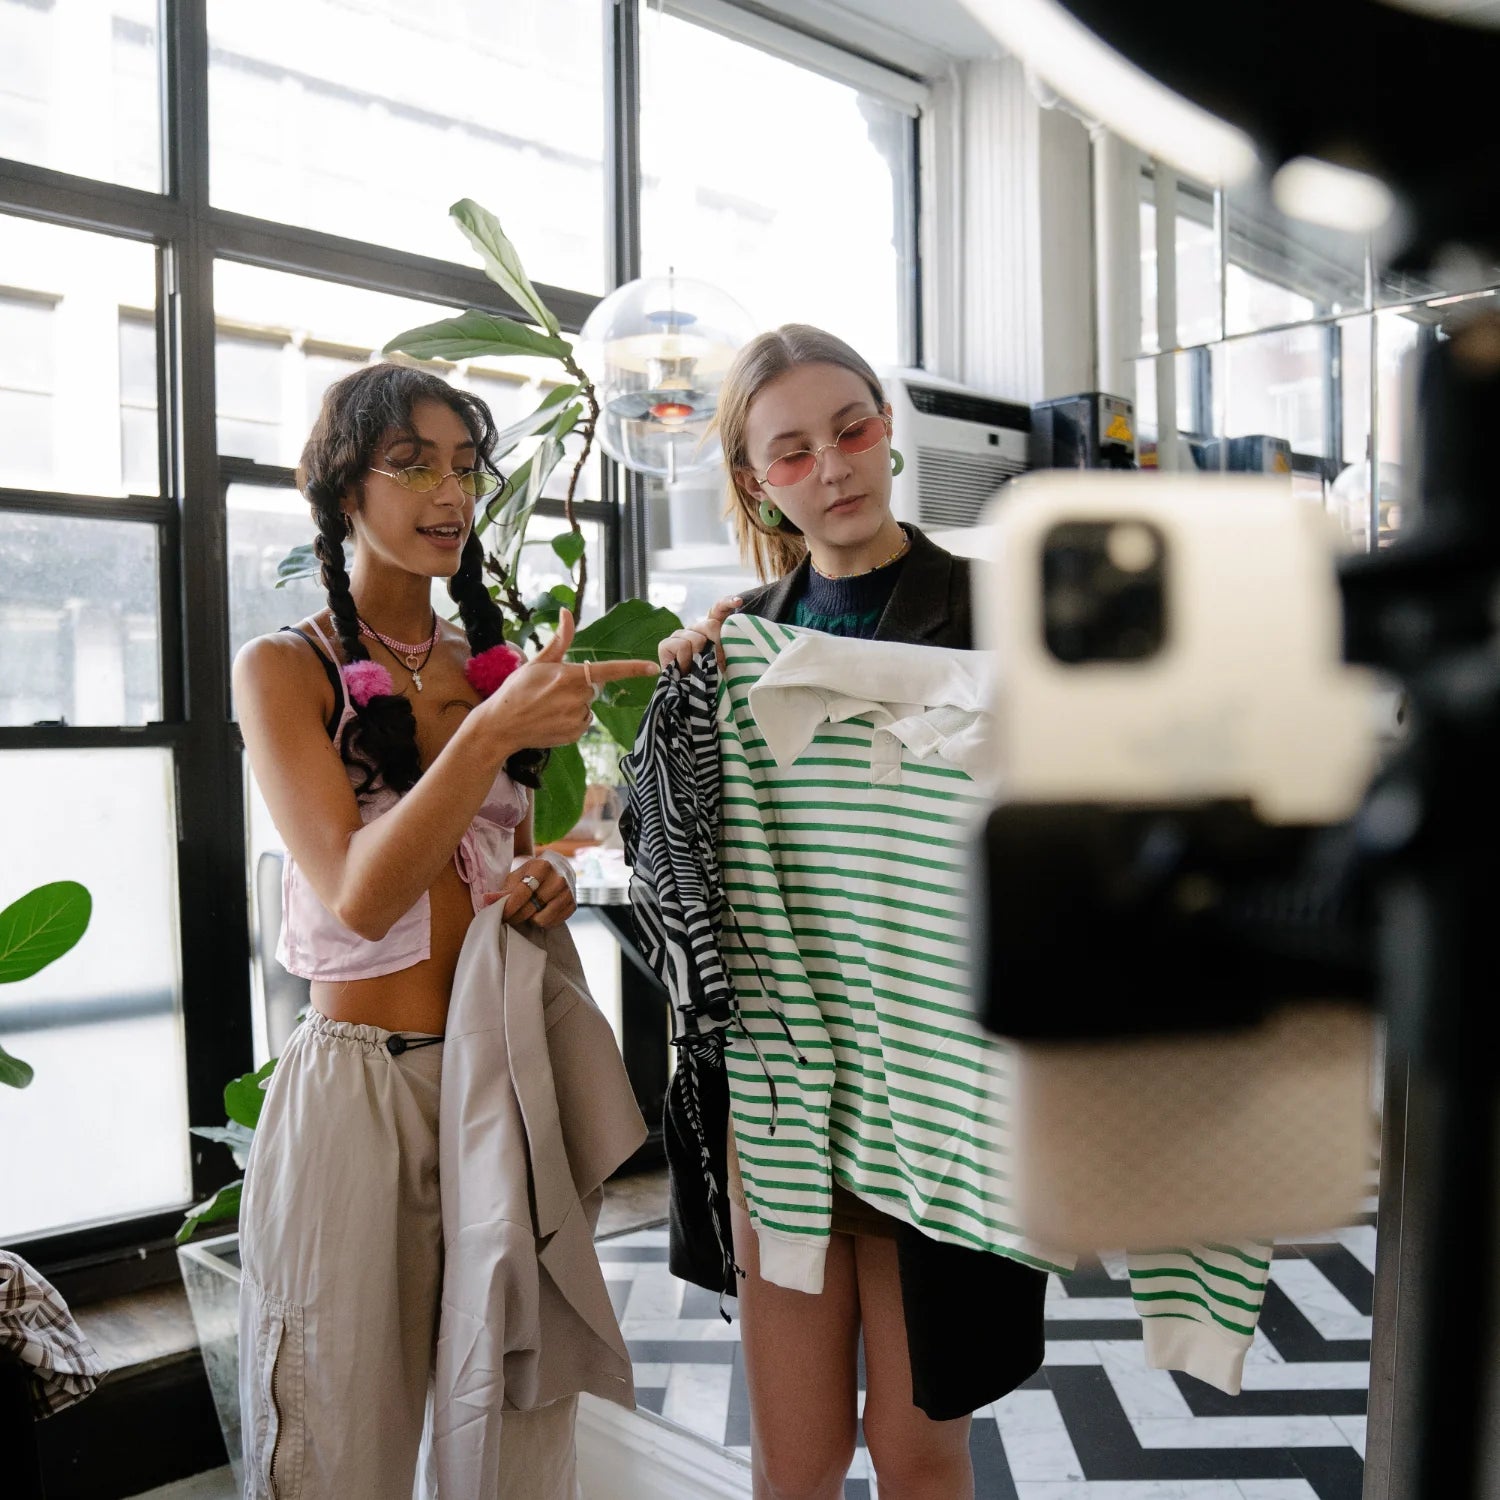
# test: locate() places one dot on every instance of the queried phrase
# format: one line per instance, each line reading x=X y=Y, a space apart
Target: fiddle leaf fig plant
x=570 y=409
x=35 y=930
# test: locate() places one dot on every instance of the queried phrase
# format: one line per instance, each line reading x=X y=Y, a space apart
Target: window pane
x=1349 y=494
x=1398 y=339
x=284 y=339
x=248 y=389
x=105 y=1122
x=138 y=435
x=694 y=560
x=80 y=87
x=1282 y=270
x=807 y=217
x=1198 y=313
x=1276 y=386
x=370 y=121
x=264 y=523
x=1150 y=338
x=65 y=297
x=541 y=567
x=78 y=622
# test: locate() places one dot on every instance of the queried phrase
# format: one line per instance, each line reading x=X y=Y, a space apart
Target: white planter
x=211 y=1276
x=621 y=1455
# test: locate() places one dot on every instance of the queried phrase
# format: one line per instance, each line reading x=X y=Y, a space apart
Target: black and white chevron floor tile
x=1094 y=1423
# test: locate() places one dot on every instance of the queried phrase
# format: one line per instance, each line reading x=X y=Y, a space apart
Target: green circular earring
x=898 y=462
x=770 y=516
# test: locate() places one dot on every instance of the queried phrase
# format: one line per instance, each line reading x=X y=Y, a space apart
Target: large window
x=163 y=352
x=369 y=120
x=80 y=88
x=805 y=215
x=1286 y=331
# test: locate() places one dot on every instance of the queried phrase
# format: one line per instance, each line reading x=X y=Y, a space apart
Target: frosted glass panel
x=104 y=1124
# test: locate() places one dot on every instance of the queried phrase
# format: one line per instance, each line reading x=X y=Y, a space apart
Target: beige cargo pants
x=341 y=1245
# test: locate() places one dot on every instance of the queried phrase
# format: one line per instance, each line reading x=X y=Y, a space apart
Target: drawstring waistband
x=397 y=1043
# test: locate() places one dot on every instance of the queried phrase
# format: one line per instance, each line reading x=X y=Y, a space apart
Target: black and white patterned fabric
x=670 y=827
x=37 y=1329
x=671 y=830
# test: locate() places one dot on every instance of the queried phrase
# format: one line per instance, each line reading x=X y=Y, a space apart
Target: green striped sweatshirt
x=847 y=818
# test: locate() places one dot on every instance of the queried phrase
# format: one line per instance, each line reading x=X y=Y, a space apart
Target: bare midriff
x=413 y=999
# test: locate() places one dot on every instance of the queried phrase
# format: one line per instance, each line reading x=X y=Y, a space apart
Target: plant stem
x=587 y=427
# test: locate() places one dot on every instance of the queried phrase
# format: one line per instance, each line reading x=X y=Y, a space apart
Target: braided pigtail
x=382 y=741
x=484 y=624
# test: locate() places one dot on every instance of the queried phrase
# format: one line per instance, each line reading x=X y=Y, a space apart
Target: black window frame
x=189 y=235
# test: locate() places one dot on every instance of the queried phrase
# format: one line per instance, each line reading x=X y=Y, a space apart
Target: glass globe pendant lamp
x=659 y=348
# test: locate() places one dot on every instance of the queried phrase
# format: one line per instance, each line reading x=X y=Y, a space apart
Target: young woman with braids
x=394 y=751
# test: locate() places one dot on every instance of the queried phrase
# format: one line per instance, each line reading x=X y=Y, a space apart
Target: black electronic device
x=1090 y=430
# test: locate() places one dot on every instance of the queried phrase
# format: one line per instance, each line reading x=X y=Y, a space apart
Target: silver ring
x=588 y=676
x=531 y=883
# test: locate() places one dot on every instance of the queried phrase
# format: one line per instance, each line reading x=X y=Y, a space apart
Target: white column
x=1009 y=242
x=1117 y=261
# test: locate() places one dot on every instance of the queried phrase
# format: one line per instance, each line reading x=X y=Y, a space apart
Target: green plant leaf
x=566 y=421
x=516 y=482
x=508 y=437
x=244 y=1096
x=300 y=562
x=13 y=1072
x=472 y=335
x=559 y=799
x=501 y=263
x=510 y=521
x=567 y=597
x=225 y=1204
x=41 y=926
x=234 y=1135
x=622 y=707
x=545 y=610
x=569 y=546
x=631 y=631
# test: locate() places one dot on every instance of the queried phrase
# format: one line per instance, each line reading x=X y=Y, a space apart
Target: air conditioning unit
x=960 y=447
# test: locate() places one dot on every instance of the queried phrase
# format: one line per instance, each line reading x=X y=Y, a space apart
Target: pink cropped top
x=314 y=944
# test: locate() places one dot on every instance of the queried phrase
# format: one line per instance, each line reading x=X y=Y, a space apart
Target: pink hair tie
x=490 y=668
x=366 y=680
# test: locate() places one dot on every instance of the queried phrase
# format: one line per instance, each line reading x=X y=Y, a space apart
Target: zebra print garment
x=670 y=827
x=671 y=830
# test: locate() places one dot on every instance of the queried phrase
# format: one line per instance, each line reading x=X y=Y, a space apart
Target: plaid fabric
x=37 y=1329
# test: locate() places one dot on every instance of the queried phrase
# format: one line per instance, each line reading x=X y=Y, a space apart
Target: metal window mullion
x=629 y=565
x=140 y=508
x=170 y=625
x=1333 y=395
x=88 y=736
x=75 y=202
x=912 y=272
x=298 y=251
x=212 y=890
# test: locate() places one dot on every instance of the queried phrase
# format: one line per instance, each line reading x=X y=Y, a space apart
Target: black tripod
x=1407 y=99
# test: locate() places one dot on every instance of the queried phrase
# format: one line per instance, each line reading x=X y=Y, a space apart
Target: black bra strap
x=331 y=672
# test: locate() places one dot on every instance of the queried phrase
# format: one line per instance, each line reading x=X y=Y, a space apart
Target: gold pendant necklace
x=840 y=577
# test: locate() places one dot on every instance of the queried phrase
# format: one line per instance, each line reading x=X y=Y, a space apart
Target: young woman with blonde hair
x=806 y=431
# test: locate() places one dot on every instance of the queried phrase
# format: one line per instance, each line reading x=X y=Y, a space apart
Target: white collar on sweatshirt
x=933 y=701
